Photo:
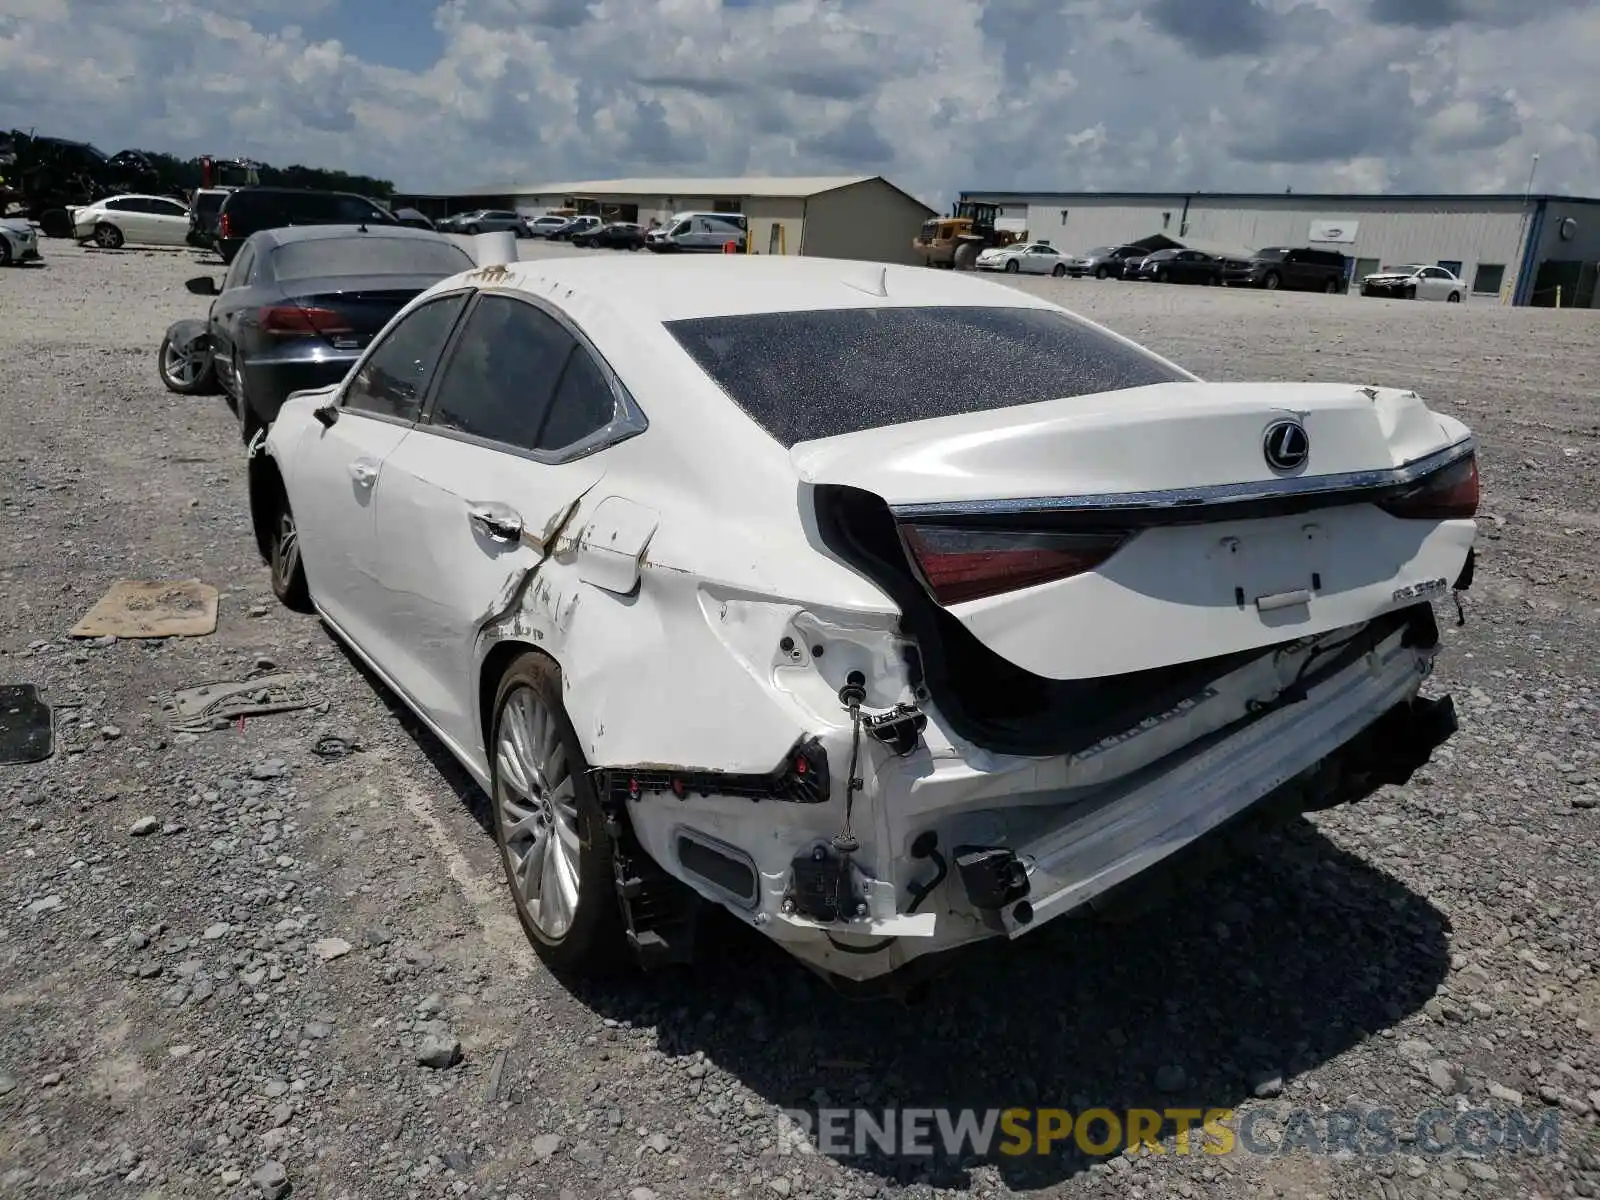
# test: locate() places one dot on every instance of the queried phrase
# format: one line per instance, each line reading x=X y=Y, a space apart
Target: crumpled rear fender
x=678 y=671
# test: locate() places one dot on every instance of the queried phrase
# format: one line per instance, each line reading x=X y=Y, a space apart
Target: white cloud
x=1131 y=94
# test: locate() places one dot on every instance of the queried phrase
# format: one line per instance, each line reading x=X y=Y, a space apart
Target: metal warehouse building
x=853 y=216
x=1520 y=249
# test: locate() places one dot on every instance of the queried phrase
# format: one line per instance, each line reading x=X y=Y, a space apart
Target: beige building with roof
x=835 y=216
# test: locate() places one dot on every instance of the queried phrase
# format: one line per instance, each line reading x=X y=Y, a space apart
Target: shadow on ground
x=1271 y=966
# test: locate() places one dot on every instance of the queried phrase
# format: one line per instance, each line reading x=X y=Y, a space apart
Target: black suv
x=252 y=209
x=1296 y=268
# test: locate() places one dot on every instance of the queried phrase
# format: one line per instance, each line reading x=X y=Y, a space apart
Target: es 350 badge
x=1417 y=591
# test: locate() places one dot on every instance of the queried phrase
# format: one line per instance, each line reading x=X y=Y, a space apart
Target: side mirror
x=202 y=285
x=326 y=413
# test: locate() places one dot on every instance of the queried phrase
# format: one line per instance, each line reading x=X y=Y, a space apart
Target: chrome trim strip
x=1222 y=493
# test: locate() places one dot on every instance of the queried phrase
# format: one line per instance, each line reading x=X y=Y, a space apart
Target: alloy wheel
x=183 y=363
x=538 y=810
x=286 y=551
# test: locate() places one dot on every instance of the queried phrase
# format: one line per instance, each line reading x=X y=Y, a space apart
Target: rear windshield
x=362 y=255
x=208 y=202
x=822 y=373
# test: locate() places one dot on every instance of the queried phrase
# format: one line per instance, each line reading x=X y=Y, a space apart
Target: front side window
x=822 y=373
x=393 y=380
x=502 y=373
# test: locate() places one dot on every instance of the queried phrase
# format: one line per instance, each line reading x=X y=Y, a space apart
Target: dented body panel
x=711 y=624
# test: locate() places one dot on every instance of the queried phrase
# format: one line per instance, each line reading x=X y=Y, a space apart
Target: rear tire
x=547 y=819
x=5 y=253
x=108 y=236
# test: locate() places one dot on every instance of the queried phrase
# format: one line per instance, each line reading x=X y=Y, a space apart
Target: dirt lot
x=219 y=953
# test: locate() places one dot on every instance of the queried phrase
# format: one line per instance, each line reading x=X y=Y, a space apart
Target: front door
x=480 y=490
x=336 y=483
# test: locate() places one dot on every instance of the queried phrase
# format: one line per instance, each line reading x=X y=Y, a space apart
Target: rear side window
x=502 y=373
x=364 y=255
x=823 y=373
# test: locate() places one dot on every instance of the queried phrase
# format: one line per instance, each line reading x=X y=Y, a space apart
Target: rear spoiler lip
x=1186 y=505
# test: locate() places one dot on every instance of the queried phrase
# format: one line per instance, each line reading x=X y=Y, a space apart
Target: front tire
x=474 y=230
x=1410 y=293
x=1059 y=271
x=187 y=370
x=1012 y=266
x=1455 y=298
x=1332 y=287
x=1271 y=282
x=5 y=253
x=108 y=236
x=549 y=825
x=1101 y=272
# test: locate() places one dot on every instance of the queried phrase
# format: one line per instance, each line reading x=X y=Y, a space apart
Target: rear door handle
x=364 y=471
x=499 y=521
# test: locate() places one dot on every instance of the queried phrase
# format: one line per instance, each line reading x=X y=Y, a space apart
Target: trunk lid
x=1145 y=527
x=363 y=304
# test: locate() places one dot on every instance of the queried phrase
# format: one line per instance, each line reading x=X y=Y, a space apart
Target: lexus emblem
x=1286 y=446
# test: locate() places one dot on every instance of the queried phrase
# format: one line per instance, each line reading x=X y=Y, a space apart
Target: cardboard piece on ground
x=140 y=608
x=27 y=725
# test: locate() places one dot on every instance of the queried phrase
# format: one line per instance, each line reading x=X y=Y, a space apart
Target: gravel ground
x=230 y=966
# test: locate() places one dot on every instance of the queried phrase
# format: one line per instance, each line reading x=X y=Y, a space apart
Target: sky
x=937 y=95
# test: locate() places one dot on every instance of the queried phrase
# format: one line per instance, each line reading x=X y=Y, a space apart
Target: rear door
x=337 y=470
x=471 y=499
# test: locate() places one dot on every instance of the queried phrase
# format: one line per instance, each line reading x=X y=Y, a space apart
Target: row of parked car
x=685 y=231
x=1289 y=267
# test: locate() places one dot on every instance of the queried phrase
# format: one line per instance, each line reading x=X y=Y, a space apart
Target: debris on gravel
x=272 y=955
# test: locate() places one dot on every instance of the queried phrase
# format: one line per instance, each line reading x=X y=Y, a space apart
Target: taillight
x=225 y=226
x=1447 y=494
x=968 y=564
x=291 y=320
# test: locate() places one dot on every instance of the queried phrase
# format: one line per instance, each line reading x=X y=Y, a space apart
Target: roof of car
x=680 y=287
x=316 y=233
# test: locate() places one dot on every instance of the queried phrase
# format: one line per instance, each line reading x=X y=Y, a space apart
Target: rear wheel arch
x=500 y=659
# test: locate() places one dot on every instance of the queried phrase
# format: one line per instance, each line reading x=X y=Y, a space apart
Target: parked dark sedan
x=296 y=309
x=1181 y=266
x=618 y=235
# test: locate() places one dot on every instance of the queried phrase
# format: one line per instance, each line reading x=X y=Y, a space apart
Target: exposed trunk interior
x=987 y=699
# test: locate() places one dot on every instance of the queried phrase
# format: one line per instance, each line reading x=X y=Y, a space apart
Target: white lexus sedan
x=1026 y=258
x=730 y=593
x=142 y=220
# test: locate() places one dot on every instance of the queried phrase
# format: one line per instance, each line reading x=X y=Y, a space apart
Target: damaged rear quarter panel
x=668 y=666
